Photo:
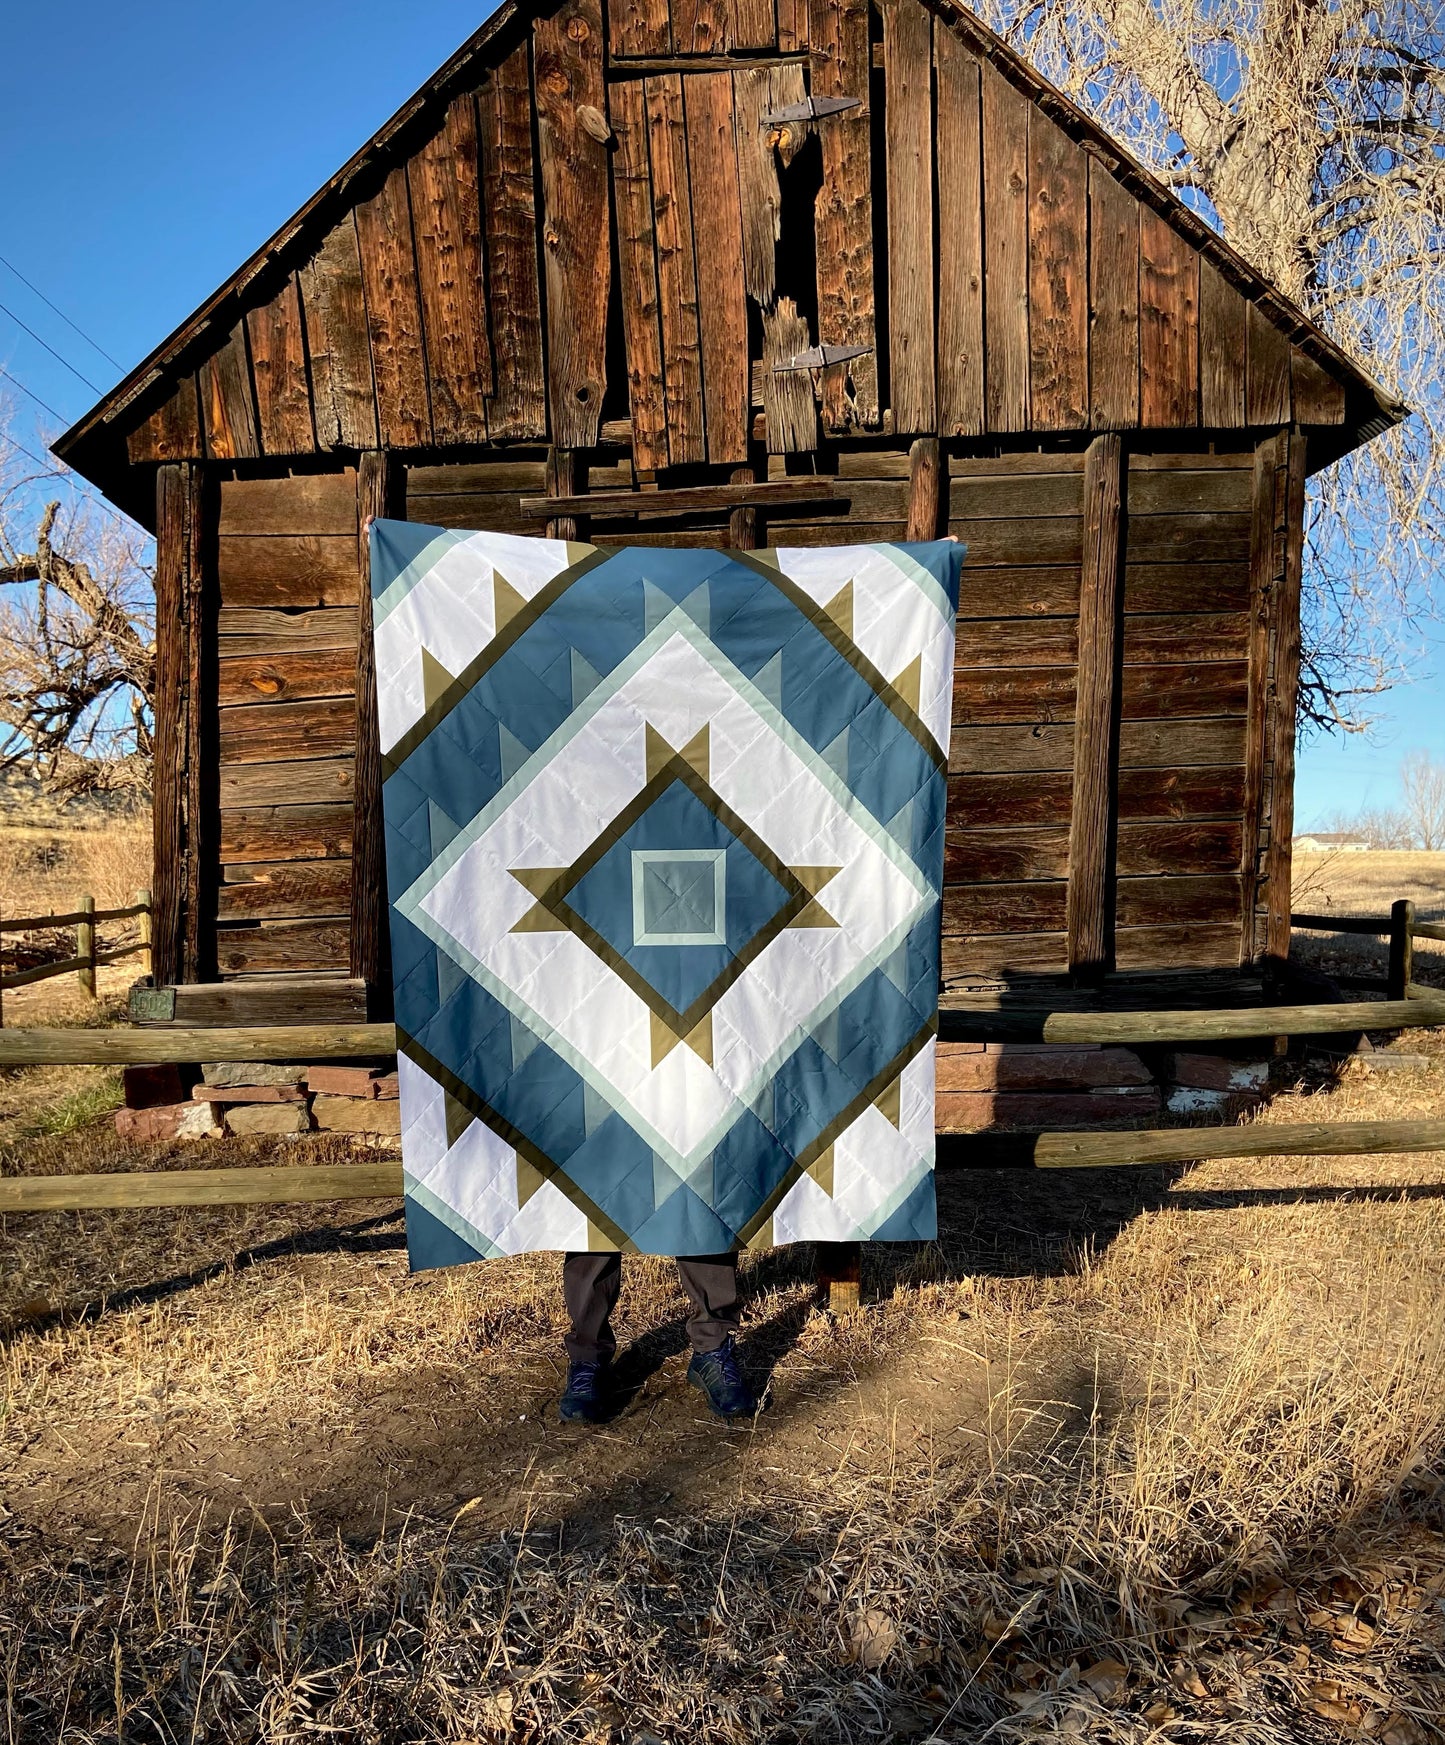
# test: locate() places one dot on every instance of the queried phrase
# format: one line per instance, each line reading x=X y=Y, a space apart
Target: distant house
x=1336 y=841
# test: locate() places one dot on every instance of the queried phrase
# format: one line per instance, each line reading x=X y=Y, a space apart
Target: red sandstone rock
x=967 y=1111
x=344 y=1081
x=249 y=1094
x=1028 y=1069
x=170 y=1121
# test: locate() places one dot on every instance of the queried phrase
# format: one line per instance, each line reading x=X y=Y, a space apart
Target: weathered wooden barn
x=748 y=271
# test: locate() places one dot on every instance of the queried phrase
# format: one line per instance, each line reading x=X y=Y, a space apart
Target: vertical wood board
x=840 y=65
x=446 y=221
x=278 y=366
x=334 y=305
x=1284 y=707
x=393 y=314
x=1318 y=397
x=788 y=404
x=228 y=407
x=960 y=236
x=576 y=244
x=1267 y=386
x=637 y=269
x=1221 y=351
x=676 y=269
x=1113 y=303
x=1168 y=325
x=518 y=407
x=908 y=153
x=1058 y=277
x=1005 y=253
x=722 y=301
x=638 y=27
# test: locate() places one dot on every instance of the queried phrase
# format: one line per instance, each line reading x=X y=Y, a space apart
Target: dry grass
x=1366 y=884
x=1126 y=1456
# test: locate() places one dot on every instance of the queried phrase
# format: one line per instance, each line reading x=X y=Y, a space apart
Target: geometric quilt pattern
x=664 y=844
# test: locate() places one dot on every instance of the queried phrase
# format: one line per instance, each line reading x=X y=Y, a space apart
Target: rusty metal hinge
x=818 y=357
x=810 y=109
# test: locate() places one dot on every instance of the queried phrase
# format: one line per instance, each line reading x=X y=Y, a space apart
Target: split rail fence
x=1409 y=1005
x=88 y=958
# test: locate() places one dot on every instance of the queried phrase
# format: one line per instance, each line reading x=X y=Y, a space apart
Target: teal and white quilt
x=664 y=841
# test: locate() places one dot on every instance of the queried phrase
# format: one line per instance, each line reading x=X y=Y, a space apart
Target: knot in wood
x=578 y=29
x=557 y=82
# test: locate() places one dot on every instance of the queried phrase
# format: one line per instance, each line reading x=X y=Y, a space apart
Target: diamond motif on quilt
x=675 y=949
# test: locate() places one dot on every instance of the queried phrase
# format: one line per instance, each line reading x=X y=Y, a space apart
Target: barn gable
x=642 y=223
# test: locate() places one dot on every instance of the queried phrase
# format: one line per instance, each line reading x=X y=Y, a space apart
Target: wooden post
x=743 y=521
x=1284 y=697
x=566 y=477
x=1256 y=735
x=177 y=774
x=375 y=490
x=927 y=489
x=144 y=923
x=1402 y=950
x=840 y=1274
x=85 y=946
x=1091 y=826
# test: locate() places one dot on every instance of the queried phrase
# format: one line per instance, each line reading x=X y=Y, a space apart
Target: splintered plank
x=446 y=219
x=518 y=408
x=1005 y=252
x=792 y=417
x=336 y=341
x=576 y=246
x=637 y=265
x=908 y=128
x=759 y=91
x=676 y=269
x=1267 y=396
x=1168 y=325
x=722 y=303
x=227 y=403
x=278 y=364
x=960 y=233
x=841 y=61
x=1058 y=293
x=638 y=27
x=1113 y=303
x=393 y=314
x=1221 y=350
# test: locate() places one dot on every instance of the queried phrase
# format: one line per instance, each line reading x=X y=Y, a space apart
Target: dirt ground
x=1126 y=1455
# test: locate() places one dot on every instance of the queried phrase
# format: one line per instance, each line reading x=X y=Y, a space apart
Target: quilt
x=664 y=843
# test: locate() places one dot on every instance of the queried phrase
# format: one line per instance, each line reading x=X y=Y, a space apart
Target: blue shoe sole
x=716 y=1410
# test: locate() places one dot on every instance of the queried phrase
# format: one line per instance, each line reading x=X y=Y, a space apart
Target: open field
x=1126 y=1456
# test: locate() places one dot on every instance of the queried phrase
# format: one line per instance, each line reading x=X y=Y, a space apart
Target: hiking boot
x=718 y=1375
x=584 y=1399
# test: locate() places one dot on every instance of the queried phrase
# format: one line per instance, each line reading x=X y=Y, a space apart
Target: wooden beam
x=1156 y=1146
x=201 y=1187
x=294 y=1042
x=617 y=505
x=1256 y=732
x=1402 y=950
x=840 y=1275
x=377 y=489
x=177 y=776
x=564 y=471
x=1284 y=698
x=158 y=1047
x=1090 y=918
x=927 y=489
x=909 y=155
x=743 y=521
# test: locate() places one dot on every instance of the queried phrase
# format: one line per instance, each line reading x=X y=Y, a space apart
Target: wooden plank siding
x=1015 y=280
x=285 y=723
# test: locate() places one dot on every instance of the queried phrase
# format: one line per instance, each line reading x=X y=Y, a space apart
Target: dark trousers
x=591 y=1282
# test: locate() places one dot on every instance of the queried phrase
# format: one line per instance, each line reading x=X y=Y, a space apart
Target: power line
x=49 y=467
x=33 y=395
x=61 y=313
x=51 y=349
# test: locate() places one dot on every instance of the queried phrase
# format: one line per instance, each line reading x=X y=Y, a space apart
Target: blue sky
x=150 y=149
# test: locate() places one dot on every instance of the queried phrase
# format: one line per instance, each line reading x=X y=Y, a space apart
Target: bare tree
x=1422 y=794
x=1312 y=133
x=77 y=649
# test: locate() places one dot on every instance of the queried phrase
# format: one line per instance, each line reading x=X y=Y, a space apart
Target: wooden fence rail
x=1401 y=929
x=87 y=958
